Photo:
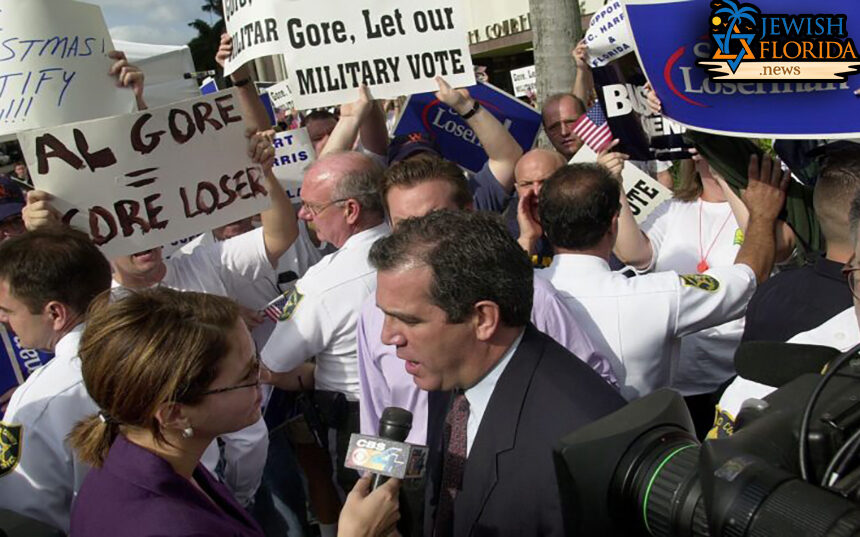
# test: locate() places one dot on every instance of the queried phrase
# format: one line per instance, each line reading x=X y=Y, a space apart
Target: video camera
x=790 y=468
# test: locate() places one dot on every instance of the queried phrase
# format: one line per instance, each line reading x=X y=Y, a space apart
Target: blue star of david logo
x=724 y=41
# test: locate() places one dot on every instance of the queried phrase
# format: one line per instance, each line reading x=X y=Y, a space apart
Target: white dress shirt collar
x=479 y=394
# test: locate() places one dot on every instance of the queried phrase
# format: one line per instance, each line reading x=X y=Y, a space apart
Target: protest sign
x=16 y=363
x=294 y=152
x=331 y=48
x=644 y=193
x=457 y=141
x=620 y=85
x=54 y=65
x=786 y=108
x=141 y=180
x=524 y=81
x=281 y=95
x=254 y=29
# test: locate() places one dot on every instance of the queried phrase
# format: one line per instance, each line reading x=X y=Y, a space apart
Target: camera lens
x=659 y=480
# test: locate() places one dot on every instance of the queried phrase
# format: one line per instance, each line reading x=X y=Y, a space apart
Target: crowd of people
x=504 y=309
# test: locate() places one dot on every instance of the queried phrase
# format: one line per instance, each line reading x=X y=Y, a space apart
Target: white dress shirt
x=479 y=394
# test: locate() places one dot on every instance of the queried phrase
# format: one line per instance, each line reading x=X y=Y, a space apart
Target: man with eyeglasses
x=813 y=305
x=341 y=203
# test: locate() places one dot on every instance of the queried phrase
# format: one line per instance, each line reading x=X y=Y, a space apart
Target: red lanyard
x=703 y=263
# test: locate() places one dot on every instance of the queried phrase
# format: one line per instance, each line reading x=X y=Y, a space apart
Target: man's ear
x=59 y=314
x=613 y=227
x=487 y=318
x=172 y=416
x=353 y=211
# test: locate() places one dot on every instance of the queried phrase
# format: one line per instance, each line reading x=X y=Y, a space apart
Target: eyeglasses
x=317 y=209
x=848 y=271
x=254 y=373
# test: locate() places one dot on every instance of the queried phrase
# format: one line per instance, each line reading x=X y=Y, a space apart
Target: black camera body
x=641 y=471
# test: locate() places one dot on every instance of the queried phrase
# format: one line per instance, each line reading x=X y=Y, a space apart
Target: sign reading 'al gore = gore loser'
x=331 y=48
x=54 y=65
x=142 y=180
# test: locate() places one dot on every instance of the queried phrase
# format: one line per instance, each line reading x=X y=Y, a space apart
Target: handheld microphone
x=394 y=424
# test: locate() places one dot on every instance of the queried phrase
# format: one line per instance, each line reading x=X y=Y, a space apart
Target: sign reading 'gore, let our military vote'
x=331 y=48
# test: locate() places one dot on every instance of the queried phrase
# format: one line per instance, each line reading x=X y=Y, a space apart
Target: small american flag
x=593 y=129
x=274 y=308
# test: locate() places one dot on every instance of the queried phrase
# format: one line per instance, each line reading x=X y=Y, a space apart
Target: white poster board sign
x=332 y=47
x=54 y=65
x=142 y=180
x=644 y=193
x=294 y=152
x=254 y=29
x=524 y=80
x=608 y=36
x=281 y=95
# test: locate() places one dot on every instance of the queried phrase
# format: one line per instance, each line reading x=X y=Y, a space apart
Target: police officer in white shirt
x=642 y=318
x=47 y=280
x=340 y=200
x=840 y=332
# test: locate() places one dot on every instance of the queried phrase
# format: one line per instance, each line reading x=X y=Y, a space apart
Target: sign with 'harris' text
x=790 y=102
x=142 y=180
x=456 y=140
x=331 y=48
x=54 y=65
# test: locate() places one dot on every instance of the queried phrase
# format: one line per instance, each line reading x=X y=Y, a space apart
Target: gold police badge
x=705 y=282
x=10 y=447
x=292 y=303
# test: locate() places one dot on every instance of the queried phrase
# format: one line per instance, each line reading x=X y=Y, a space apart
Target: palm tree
x=736 y=15
x=556 y=27
x=205 y=44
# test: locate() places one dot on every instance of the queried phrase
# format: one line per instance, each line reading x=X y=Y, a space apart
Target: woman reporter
x=171 y=371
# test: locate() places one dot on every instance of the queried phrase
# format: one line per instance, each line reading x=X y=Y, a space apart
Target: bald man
x=341 y=201
x=531 y=171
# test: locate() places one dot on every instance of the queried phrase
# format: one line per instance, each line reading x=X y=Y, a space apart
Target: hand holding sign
x=359 y=108
x=580 y=55
x=39 y=213
x=127 y=75
x=225 y=51
x=766 y=187
x=458 y=99
x=613 y=161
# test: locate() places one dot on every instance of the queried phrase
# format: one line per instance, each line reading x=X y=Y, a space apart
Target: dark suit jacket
x=138 y=494
x=509 y=483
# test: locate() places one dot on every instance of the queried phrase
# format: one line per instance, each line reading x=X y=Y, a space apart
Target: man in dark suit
x=456 y=290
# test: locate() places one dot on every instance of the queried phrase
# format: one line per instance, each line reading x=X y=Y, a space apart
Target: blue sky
x=152 y=21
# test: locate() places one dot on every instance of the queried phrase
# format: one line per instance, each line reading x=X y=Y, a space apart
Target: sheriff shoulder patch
x=292 y=303
x=705 y=282
x=10 y=447
x=724 y=425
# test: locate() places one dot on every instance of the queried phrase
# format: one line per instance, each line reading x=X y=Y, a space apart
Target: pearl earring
x=187 y=432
